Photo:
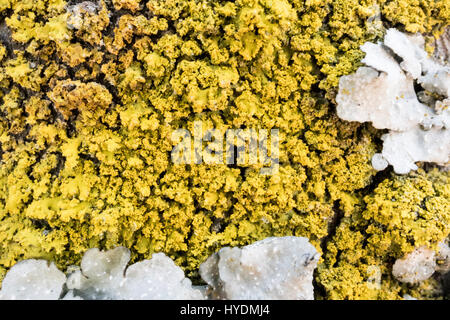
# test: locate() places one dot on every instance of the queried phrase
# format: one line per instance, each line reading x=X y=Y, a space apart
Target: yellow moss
x=90 y=96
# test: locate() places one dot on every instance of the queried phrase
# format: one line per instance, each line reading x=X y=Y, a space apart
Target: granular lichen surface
x=92 y=91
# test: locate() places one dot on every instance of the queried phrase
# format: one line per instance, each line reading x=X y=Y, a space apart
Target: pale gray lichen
x=104 y=275
x=403 y=149
x=422 y=264
x=383 y=93
x=415 y=267
x=443 y=258
x=33 y=280
x=274 y=268
x=271 y=269
x=430 y=73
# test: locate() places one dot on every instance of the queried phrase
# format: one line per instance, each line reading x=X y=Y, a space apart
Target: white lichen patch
x=103 y=275
x=383 y=93
x=431 y=74
x=422 y=263
x=415 y=267
x=443 y=258
x=33 y=280
x=403 y=149
x=274 y=268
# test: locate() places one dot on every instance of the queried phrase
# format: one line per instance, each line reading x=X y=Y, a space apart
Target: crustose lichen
x=91 y=92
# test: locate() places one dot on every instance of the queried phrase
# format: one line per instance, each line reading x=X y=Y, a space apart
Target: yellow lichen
x=401 y=214
x=132 y=5
x=92 y=91
x=91 y=100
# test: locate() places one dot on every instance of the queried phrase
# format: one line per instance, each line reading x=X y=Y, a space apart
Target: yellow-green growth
x=90 y=98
